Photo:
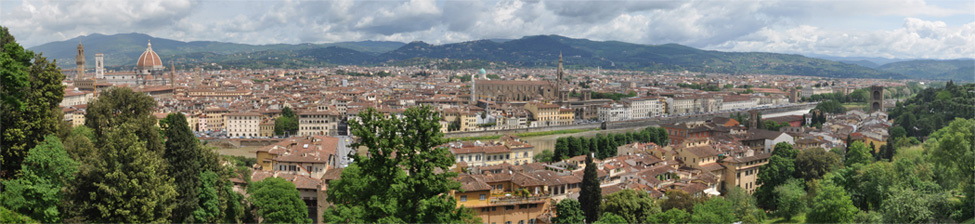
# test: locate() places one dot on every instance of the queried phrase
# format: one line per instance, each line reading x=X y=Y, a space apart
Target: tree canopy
x=633 y=206
x=277 y=201
x=568 y=211
x=37 y=192
x=399 y=181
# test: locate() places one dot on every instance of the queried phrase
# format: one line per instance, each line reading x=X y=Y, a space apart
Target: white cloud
x=842 y=28
x=915 y=39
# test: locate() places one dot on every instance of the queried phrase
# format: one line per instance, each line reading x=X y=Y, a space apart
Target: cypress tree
x=590 y=196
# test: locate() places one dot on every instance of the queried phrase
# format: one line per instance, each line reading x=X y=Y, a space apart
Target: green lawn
x=850 y=106
x=801 y=218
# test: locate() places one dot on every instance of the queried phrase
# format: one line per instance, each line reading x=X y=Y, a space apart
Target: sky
x=905 y=29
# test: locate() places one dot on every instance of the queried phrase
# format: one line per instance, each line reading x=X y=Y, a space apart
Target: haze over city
x=906 y=29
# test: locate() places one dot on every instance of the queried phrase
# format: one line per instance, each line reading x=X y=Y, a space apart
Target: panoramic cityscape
x=494 y=112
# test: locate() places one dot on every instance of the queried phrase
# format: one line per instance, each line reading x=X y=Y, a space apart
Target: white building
x=613 y=112
x=245 y=124
x=734 y=102
x=318 y=123
x=75 y=97
x=680 y=105
x=645 y=107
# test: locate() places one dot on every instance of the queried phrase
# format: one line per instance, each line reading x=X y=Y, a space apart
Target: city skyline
x=883 y=29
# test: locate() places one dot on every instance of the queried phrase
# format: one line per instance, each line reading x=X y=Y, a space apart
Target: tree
x=744 y=204
x=187 y=160
x=947 y=145
x=780 y=168
x=673 y=216
x=119 y=106
x=208 y=208
x=716 y=210
x=568 y=211
x=831 y=205
x=662 y=136
x=609 y=218
x=678 y=199
x=561 y=149
x=907 y=205
x=633 y=206
x=760 y=123
x=30 y=92
x=791 y=200
x=37 y=192
x=815 y=162
x=546 y=156
x=130 y=184
x=590 y=196
x=277 y=201
x=399 y=181
x=857 y=153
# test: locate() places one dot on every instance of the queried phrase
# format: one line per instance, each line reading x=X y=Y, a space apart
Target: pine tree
x=187 y=160
x=590 y=196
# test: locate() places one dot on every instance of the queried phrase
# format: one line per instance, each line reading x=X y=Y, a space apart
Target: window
x=507 y=222
x=483 y=197
x=494 y=208
x=463 y=198
x=509 y=207
x=521 y=221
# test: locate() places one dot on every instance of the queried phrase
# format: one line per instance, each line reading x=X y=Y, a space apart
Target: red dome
x=149 y=60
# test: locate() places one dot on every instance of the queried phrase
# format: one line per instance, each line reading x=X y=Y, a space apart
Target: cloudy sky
x=850 y=28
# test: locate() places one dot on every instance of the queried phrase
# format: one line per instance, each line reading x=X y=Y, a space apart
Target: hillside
x=122 y=50
x=959 y=69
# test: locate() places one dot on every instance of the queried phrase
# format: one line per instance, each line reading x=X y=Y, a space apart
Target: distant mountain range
x=122 y=50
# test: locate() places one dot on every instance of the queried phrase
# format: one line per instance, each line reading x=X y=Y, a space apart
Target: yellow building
x=505 y=198
x=741 y=169
x=566 y=116
x=508 y=149
x=305 y=155
x=267 y=128
x=544 y=114
x=214 y=118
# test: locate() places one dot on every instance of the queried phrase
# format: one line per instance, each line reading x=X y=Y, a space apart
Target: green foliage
x=831 y=106
x=568 y=211
x=590 y=196
x=868 y=217
x=209 y=205
x=831 y=205
x=287 y=124
x=403 y=188
x=545 y=156
x=130 y=184
x=277 y=201
x=744 y=204
x=605 y=145
x=774 y=126
x=8 y=216
x=927 y=112
x=187 y=159
x=907 y=205
x=610 y=218
x=678 y=199
x=37 y=192
x=780 y=168
x=104 y=116
x=30 y=92
x=815 y=162
x=857 y=153
x=633 y=206
x=791 y=198
x=672 y=216
x=715 y=210
x=949 y=144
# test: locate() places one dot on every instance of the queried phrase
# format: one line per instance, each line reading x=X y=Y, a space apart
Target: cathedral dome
x=149 y=60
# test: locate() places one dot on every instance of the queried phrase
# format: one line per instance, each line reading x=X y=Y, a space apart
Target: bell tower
x=80 y=61
x=876 y=98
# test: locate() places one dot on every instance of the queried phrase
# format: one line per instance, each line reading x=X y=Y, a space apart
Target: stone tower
x=99 y=66
x=753 y=119
x=876 y=98
x=560 y=73
x=80 y=61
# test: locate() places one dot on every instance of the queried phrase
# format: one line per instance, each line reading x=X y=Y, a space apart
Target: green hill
x=959 y=69
x=122 y=50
